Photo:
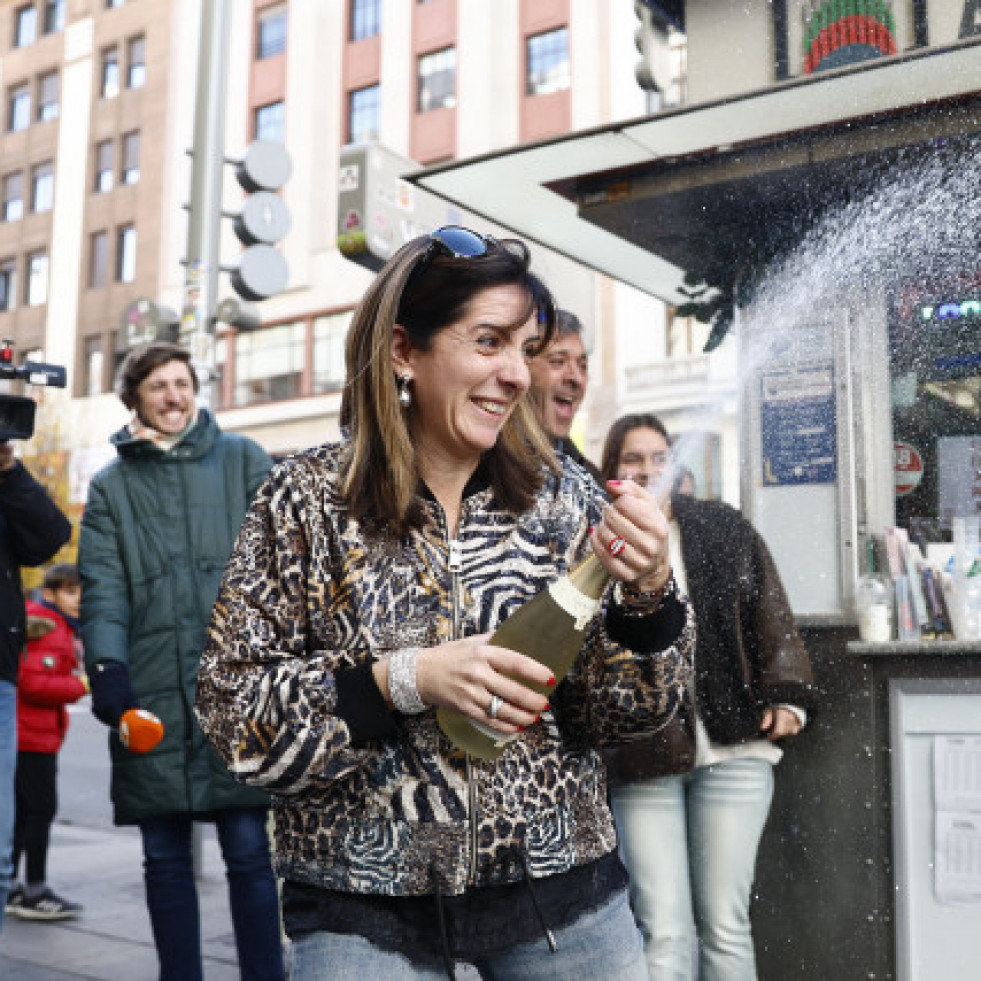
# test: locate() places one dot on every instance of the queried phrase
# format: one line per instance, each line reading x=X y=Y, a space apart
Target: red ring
x=616 y=545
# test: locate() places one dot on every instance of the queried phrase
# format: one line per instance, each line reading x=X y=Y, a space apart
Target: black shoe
x=15 y=898
x=46 y=906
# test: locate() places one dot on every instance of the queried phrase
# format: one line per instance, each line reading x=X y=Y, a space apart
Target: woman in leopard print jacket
x=359 y=599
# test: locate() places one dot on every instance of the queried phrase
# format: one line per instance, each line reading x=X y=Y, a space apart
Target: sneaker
x=15 y=898
x=46 y=906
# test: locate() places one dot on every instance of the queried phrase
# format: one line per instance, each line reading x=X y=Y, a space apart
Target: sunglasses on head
x=457 y=242
x=454 y=241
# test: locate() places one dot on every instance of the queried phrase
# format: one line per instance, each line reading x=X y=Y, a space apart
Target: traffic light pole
x=202 y=258
x=197 y=327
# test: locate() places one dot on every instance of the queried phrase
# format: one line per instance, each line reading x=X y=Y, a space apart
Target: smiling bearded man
x=558 y=385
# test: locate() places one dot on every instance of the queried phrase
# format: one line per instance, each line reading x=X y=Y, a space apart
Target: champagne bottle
x=140 y=730
x=550 y=627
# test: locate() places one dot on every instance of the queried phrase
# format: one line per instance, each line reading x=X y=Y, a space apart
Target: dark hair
x=61 y=575
x=424 y=291
x=613 y=445
x=143 y=360
x=566 y=322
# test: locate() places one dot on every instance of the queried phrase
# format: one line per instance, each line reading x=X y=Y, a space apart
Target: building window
x=103 y=167
x=365 y=19
x=136 y=63
x=437 y=80
x=8 y=285
x=47 y=101
x=269 y=364
x=42 y=187
x=271 y=32
x=25 y=28
x=364 y=115
x=93 y=366
x=130 y=170
x=110 y=73
x=329 y=334
x=13 y=196
x=37 y=279
x=126 y=254
x=19 y=107
x=54 y=16
x=98 y=258
x=548 y=62
x=270 y=122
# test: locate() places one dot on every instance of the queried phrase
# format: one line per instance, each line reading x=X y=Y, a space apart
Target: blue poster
x=797 y=426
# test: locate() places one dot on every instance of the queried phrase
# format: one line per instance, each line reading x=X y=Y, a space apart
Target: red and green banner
x=840 y=32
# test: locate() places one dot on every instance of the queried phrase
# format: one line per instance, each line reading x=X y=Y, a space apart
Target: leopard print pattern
x=307 y=593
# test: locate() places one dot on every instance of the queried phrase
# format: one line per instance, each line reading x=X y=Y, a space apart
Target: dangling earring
x=405 y=395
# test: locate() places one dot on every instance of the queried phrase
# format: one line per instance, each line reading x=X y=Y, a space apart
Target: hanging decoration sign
x=907 y=468
x=846 y=32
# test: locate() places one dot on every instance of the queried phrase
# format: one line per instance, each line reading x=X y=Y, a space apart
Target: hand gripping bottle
x=551 y=628
x=140 y=730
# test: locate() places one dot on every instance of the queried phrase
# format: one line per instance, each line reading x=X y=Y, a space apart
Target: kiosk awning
x=635 y=199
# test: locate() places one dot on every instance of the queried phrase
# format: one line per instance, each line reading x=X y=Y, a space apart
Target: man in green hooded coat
x=158 y=527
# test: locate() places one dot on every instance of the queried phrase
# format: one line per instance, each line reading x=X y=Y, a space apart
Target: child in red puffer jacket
x=50 y=677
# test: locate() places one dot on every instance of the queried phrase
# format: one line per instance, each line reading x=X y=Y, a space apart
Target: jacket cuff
x=656 y=632
x=360 y=705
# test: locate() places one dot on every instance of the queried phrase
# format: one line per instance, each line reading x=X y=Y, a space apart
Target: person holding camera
x=32 y=529
x=157 y=530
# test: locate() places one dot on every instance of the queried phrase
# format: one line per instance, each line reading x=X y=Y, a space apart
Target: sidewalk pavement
x=103 y=870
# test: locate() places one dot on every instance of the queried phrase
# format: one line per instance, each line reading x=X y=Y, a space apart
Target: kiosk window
x=935 y=361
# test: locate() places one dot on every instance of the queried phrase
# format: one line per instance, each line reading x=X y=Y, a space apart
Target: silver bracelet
x=402 y=682
x=634 y=603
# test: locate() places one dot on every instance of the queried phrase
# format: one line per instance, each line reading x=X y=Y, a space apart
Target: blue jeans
x=172 y=897
x=8 y=767
x=690 y=843
x=601 y=944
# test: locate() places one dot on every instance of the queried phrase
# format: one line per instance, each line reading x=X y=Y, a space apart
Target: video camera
x=17 y=411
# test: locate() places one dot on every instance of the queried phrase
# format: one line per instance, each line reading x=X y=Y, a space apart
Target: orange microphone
x=140 y=730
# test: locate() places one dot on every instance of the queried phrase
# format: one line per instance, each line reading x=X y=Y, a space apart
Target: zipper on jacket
x=188 y=710
x=455 y=564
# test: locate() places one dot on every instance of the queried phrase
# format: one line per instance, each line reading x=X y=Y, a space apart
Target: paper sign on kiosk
x=957 y=818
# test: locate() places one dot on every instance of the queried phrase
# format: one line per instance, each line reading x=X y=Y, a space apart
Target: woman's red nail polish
x=550 y=682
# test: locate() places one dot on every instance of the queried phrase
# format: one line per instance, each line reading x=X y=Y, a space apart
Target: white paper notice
x=957 y=818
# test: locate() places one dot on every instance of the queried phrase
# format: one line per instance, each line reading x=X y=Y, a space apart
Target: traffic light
x=237 y=314
x=262 y=221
